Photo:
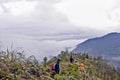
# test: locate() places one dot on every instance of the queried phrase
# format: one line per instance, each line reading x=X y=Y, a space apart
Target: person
x=82 y=67
x=52 y=70
x=57 y=66
x=52 y=67
x=71 y=59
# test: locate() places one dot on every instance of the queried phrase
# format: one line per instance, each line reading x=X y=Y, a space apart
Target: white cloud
x=21 y=7
x=43 y=20
x=1 y=10
x=91 y=13
x=36 y=47
x=116 y=58
x=41 y=31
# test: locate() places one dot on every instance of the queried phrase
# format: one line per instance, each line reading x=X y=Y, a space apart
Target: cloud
x=40 y=32
x=44 y=20
x=116 y=58
x=4 y=1
x=115 y=12
x=36 y=47
x=102 y=15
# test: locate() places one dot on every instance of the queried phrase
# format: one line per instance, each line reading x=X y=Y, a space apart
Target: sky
x=45 y=27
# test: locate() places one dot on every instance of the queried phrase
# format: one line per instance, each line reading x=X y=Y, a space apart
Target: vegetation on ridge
x=14 y=66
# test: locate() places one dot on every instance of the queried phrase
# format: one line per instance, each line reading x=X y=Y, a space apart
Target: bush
x=59 y=77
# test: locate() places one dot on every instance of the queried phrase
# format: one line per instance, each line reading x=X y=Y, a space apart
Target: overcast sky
x=49 y=26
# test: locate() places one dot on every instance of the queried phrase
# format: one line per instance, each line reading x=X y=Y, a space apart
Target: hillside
x=15 y=66
x=106 y=46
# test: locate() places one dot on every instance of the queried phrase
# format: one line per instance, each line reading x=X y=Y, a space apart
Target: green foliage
x=14 y=66
x=59 y=77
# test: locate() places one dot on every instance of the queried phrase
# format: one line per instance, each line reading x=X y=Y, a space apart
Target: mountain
x=106 y=46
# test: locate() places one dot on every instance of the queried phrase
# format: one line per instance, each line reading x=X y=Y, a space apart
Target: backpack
x=53 y=66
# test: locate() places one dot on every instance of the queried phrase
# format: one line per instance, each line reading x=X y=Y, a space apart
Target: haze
x=45 y=27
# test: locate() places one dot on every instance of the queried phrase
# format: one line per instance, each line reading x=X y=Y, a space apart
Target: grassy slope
x=95 y=68
x=14 y=66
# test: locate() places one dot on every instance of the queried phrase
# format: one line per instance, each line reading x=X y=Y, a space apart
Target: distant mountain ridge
x=107 y=46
